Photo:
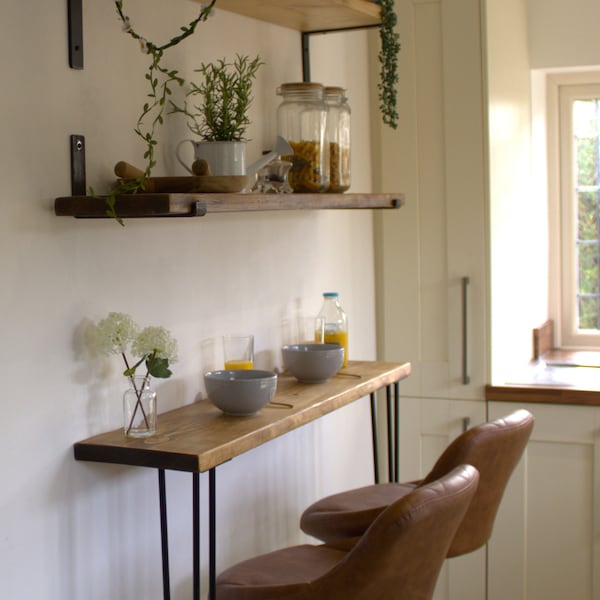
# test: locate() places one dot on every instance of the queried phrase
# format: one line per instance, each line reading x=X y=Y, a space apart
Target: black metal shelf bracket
x=78 y=184
x=75 y=25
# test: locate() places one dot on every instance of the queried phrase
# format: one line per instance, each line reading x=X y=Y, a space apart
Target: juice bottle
x=336 y=322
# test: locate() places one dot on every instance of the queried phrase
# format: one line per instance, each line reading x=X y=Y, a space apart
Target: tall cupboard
x=432 y=277
x=432 y=262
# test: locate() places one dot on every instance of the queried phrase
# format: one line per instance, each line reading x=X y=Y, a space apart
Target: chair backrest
x=402 y=552
x=494 y=449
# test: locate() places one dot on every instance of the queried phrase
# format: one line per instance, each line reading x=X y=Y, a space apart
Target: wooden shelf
x=198 y=205
x=308 y=15
x=198 y=437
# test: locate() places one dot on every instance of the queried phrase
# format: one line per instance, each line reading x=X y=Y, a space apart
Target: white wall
x=563 y=33
x=77 y=531
x=518 y=209
x=545 y=35
x=563 y=46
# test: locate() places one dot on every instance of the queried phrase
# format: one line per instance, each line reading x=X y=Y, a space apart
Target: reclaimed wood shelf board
x=308 y=15
x=197 y=205
x=198 y=437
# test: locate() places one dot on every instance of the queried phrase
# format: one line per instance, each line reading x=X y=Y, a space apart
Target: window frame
x=563 y=89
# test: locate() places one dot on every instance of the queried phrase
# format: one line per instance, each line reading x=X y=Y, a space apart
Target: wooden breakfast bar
x=198 y=437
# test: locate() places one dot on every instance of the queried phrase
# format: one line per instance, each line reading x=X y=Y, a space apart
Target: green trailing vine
x=160 y=81
x=388 y=59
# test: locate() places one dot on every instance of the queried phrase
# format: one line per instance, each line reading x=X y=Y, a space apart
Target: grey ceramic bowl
x=313 y=363
x=240 y=393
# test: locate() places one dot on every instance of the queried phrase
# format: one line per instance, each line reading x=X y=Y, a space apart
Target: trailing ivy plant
x=160 y=81
x=388 y=59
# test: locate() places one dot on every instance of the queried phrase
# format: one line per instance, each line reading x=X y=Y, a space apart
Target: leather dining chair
x=494 y=448
x=399 y=556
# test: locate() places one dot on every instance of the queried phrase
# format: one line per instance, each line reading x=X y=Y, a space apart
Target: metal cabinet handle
x=465 y=357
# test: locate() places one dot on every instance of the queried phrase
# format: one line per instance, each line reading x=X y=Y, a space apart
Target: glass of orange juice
x=238 y=351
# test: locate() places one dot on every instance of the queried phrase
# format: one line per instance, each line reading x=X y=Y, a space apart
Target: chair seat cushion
x=349 y=514
x=286 y=573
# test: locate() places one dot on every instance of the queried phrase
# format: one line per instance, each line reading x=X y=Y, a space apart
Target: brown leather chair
x=493 y=448
x=399 y=556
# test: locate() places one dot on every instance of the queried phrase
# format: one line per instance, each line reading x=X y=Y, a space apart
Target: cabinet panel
x=427 y=427
x=423 y=261
x=546 y=544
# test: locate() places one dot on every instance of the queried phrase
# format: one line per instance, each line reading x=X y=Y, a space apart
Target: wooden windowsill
x=554 y=376
x=544 y=350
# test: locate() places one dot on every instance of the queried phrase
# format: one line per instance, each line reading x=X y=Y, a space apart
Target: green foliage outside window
x=586 y=122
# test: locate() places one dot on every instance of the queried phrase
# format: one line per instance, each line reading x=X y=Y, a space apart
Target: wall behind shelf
x=90 y=531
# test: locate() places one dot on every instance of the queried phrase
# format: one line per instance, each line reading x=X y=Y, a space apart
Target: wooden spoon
x=126 y=171
x=200 y=167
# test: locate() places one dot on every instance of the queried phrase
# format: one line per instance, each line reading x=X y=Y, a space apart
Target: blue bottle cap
x=330 y=295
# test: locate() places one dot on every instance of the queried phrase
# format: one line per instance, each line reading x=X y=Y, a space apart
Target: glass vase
x=139 y=408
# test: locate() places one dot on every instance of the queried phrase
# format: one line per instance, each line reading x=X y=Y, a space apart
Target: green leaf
x=159 y=367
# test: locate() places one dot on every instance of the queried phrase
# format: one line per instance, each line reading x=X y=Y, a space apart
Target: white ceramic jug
x=223 y=158
x=229 y=158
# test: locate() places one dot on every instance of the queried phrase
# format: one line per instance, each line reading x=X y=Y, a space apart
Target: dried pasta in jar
x=338 y=134
x=307 y=173
x=302 y=121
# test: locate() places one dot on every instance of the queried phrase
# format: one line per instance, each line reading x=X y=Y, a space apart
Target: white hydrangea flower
x=156 y=339
x=114 y=334
x=126 y=25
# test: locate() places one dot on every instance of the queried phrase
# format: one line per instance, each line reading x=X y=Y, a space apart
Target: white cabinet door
x=427 y=426
x=546 y=540
x=425 y=250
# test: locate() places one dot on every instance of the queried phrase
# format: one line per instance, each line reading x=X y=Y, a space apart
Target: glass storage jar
x=302 y=121
x=338 y=134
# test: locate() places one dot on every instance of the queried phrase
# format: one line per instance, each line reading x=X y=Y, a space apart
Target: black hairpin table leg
x=397 y=431
x=212 y=534
x=164 y=537
x=196 y=532
x=390 y=432
x=374 y=434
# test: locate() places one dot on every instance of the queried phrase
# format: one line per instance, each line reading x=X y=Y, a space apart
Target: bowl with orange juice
x=240 y=392
x=313 y=363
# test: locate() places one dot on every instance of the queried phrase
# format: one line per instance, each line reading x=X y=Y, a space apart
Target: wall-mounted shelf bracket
x=78 y=184
x=305 y=40
x=75 y=25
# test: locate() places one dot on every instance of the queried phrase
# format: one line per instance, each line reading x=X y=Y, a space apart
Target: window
x=579 y=146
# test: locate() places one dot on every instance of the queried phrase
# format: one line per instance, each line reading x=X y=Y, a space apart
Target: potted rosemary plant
x=216 y=107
